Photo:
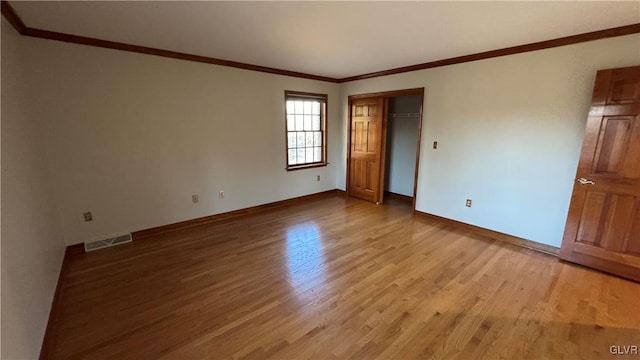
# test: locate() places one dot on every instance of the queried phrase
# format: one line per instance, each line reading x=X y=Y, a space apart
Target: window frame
x=324 y=98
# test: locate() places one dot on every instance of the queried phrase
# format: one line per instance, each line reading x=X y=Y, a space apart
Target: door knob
x=584 y=181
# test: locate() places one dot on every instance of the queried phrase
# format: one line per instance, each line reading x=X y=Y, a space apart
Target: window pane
x=299 y=122
x=309 y=157
x=307 y=122
x=315 y=108
x=317 y=138
x=291 y=138
x=292 y=157
x=291 y=124
x=300 y=156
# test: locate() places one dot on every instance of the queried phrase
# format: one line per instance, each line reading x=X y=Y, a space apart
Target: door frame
x=386 y=95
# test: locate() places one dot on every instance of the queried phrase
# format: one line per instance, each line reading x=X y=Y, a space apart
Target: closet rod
x=394 y=115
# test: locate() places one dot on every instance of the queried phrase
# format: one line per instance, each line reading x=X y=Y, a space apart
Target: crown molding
x=13 y=18
x=9 y=13
x=567 y=40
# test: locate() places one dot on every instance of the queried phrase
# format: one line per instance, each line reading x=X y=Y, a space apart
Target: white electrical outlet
x=221 y=195
x=468 y=203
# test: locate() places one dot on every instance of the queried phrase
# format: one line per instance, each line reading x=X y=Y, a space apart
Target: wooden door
x=366 y=149
x=603 y=226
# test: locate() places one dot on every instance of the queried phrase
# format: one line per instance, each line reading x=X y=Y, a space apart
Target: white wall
x=509 y=132
x=32 y=243
x=130 y=137
x=402 y=142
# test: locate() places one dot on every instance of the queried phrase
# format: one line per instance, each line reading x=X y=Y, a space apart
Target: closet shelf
x=396 y=115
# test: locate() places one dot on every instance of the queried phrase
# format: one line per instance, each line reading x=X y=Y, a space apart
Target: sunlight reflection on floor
x=305 y=259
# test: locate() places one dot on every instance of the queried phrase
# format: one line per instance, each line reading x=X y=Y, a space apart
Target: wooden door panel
x=353 y=180
x=592 y=214
x=365 y=148
x=363 y=174
x=372 y=138
x=608 y=221
x=623 y=90
x=362 y=184
x=364 y=138
x=371 y=175
x=617 y=224
x=356 y=136
x=614 y=140
x=632 y=156
x=603 y=225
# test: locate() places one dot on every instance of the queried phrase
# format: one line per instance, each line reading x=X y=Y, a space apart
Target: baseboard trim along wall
x=78 y=249
x=547 y=249
x=229 y=215
x=46 y=352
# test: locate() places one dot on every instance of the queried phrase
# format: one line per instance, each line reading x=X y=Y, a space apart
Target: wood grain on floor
x=338 y=278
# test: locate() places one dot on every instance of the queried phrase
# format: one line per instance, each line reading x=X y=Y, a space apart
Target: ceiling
x=333 y=39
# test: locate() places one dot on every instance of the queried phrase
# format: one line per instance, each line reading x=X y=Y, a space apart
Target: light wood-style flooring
x=338 y=278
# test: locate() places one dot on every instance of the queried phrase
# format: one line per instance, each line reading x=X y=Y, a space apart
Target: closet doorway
x=384 y=145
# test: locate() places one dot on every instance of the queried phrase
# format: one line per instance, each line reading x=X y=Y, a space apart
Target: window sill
x=302 y=167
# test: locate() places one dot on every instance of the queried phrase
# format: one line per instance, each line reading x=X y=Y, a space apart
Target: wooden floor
x=338 y=278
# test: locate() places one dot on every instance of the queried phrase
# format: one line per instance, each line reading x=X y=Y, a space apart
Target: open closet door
x=366 y=151
x=603 y=226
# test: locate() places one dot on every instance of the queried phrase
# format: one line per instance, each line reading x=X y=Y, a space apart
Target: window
x=306 y=117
